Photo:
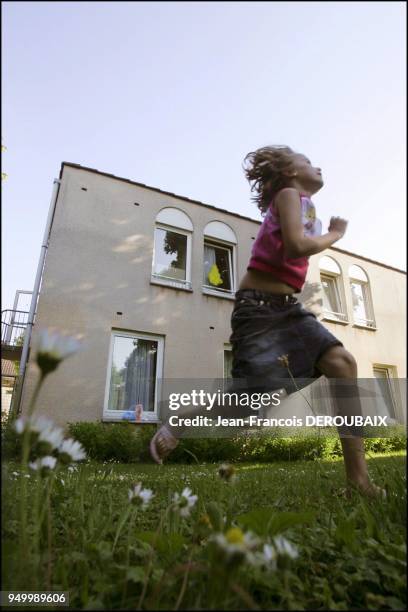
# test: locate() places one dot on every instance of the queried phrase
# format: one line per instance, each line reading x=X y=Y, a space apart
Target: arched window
x=334 y=303
x=172 y=248
x=219 y=259
x=363 y=311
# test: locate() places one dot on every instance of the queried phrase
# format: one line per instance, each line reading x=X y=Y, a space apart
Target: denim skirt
x=275 y=341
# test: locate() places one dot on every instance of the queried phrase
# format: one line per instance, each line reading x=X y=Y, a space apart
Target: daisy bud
x=284 y=360
x=226 y=471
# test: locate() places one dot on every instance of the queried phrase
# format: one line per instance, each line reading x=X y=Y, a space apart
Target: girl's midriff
x=263 y=281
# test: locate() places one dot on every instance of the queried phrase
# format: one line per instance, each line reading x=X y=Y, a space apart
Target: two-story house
x=148 y=278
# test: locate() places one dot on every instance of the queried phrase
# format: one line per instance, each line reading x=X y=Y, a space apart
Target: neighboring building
x=8 y=378
x=13 y=328
x=148 y=277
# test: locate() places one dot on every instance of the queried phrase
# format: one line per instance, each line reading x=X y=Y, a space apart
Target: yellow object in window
x=214 y=276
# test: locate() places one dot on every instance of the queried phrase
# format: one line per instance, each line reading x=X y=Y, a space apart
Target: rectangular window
x=332 y=300
x=362 y=307
x=217 y=269
x=135 y=365
x=385 y=374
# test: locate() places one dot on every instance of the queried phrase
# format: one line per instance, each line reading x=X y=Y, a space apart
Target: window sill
x=171 y=284
x=219 y=294
x=362 y=326
x=117 y=419
x=334 y=320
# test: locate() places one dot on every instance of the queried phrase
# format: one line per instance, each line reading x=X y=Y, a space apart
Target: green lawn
x=94 y=544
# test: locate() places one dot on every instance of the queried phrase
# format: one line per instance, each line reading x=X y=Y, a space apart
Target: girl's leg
x=338 y=363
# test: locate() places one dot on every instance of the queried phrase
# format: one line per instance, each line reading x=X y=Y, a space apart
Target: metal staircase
x=13 y=328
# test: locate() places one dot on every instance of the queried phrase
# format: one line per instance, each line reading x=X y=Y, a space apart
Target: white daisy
x=53 y=348
x=41 y=426
x=71 y=450
x=237 y=545
x=40 y=423
x=44 y=462
x=267 y=557
x=48 y=462
x=19 y=425
x=139 y=495
x=184 y=502
x=284 y=547
x=36 y=424
x=53 y=436
x=269 y=552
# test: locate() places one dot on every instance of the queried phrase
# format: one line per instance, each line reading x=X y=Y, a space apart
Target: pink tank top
x=268 y=253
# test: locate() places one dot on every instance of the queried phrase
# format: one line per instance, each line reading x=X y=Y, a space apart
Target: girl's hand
x=337 y=224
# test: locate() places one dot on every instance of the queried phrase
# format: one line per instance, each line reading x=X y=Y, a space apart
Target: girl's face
x=306 y=174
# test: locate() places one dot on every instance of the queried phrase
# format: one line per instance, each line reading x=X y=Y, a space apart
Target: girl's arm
x=296 y=244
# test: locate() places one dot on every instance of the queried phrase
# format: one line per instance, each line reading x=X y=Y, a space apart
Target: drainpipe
x=34 y=298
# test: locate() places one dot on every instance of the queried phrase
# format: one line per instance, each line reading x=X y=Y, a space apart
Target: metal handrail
x=13 y=326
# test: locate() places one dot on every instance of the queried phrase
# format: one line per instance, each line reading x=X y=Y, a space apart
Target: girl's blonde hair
x=265 y=168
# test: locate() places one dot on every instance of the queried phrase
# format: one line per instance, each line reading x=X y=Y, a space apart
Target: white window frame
x=168 y=281
x=230 y=247
x=391 y=372
x=147 y=416
x=335 y=317
x=368 y=323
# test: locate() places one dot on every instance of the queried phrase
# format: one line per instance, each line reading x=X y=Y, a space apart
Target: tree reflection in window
x=359 y=306
x=167 y=244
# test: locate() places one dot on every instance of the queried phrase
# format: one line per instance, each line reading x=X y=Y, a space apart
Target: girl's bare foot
x=367 y=489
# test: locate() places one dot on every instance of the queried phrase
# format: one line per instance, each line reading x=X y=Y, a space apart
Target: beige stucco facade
x=99 y=263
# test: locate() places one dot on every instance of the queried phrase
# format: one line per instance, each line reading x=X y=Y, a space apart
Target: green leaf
x=164 y=544
x=372 y=528
x=77 y=556
x=266 y=521
x=135 y=574
x=285 y=520
x=346 y=532
x=104 y=549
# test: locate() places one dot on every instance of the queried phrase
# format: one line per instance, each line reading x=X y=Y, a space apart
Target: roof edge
x=228 y=212
x=175 y=195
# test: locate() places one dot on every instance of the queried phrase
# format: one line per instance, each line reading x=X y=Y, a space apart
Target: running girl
x=271 y=330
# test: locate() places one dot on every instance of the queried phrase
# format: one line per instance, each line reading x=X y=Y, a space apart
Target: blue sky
x=175 y=94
